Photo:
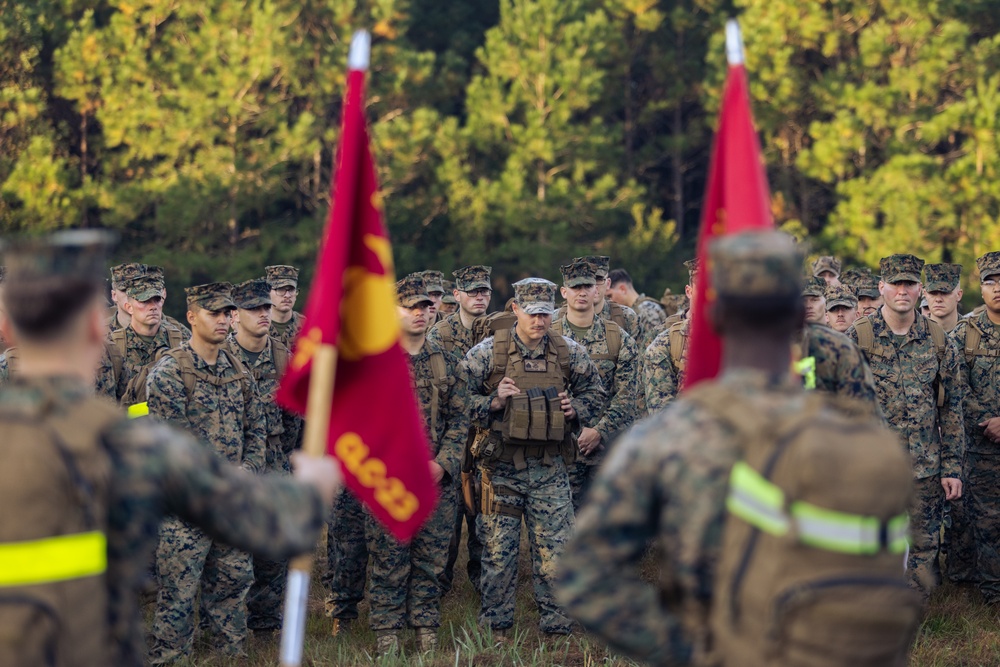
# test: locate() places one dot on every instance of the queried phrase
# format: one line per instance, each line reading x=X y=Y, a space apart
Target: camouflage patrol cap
x=826 y=263
x=988 y=265
x=211 y=296
x=692 y=267
x=433 y=281
x=672 y=302
x=900 y=268
x=756 y=264
x=867 y=288
x=813 y=286
x=449 y=293
x=840 y=295
x=145 y=287
x=856 y=275
x=535 y=296
x=252 y=294
x=473 y=277
x=76 y=253
x=281 y=275
x=601 y=264
x=412 y=290
x=942 y=277
x=121 y=274
x=578 y=273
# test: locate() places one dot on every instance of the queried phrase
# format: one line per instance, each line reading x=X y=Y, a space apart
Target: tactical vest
x=54 y=483
x=866 y=341
x=613 y=337
x=811 y=561
x=117 y=343
x=134 y=398
x=441 y=384
x=533 y=423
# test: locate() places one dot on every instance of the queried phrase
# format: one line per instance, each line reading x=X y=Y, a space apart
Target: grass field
x=960 y=631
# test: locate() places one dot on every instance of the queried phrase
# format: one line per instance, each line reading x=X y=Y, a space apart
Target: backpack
x=116 y=348
x=54 y=483
x=974 y=343
x=613 y=336
x=677 y=343
x=811 y=570
x=440 y=382
x=643 y=299
x=866 y=341
x=279 y=355
x=488 y=325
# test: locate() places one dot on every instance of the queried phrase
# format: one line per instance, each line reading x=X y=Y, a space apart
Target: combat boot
x=386 y=643
x=427 y=639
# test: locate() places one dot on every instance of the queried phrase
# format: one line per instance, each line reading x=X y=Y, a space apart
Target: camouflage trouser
x=959 y=537
x=346 y=557
x=403 y=589
x=186 y=557
x=267 y=595
x=922 y=566
x=984 y=499
x=475 y=567
x=541 y=492
x=580 y=477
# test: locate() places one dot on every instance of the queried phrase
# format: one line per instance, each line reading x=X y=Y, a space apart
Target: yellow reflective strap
x=836 y=531
x=138 y=410
x=756 y=500
x=899 y=530
x=53 y=559
x=806 y=367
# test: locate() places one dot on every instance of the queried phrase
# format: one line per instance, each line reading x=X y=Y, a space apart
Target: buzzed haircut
x=619 y=276
x=40 y=308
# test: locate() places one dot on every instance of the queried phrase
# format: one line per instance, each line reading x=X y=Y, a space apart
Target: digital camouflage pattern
x=122 y=273
x=813 y=286
x=139 y=352
x=404 y=588
x=668 y=490
x=473 y=277
x=978 y=512
x=651 y=318
x=541 y=490
x=281 y=275
x=942 y=277
x=662 y=378
x=841 y=367
x=231 y=419
x=826 y=263
x=840 y=295
x=159 y=471
x=412 y=290
x=434 y=280
x=631 y=327
x=898 y=268
x=535 y=296
x=906 y=377
x=452 y=336
x=760 y=264
x=287 y=332
x=989 y=265
x=211 y=296
x=346 y=558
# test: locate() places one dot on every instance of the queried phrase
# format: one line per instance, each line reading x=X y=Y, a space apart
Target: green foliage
x=514 y=132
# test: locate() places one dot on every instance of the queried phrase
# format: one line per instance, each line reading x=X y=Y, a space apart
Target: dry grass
x=960 y=631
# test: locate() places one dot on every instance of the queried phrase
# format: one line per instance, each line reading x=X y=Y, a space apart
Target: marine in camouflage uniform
x=814 y=299
x=152 y=471
x=981 y=409
x=619 y=373
x=121 y=276
x=827 y=268
x=404 y=589
x=649 y=311
x=663 y=366
x=449 y=304
x=230 y=416
x=435 y=289
x=262 y=355
x=140 y=350
x=536 y=486
x=908 y=373
x=605 y=307
x=455 y=334
x=346 y=561
x=666 y=481
x=286 y=323
x=841 y=307
x=944 y=293
x=865 y=286
x=839 y=366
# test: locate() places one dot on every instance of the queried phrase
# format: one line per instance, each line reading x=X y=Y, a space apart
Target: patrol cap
x=281 y=275
x=412 y=290
x=692 y=266
x=900 y=268
x=75 y=253
x=867 y=288
x=473 y=277
x=856 y=275
x=942 y=277
x=756 y=264
x=535 y=296
x=211 y=296
x=122 y=273
x=578 y=273
x=252 y=294
x=433 y=281
x=826 y=263
x=813 y=286
x=988 y=265
x=145 y=287
x=449 y=294
x=601 y=264
x=840 y=295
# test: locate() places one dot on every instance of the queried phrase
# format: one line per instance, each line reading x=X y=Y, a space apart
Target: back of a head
x=618 y=276
x=50 y=281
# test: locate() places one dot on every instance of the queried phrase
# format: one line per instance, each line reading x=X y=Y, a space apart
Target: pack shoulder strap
x=444 y=333
x=940 y=340
x=501 y=354
x=676 y=337
x=280 y=355
x=613 y=336
x=618 y=315
x=116 y=350
x=866 y=334
x=562 y=354
x=174 y=337
x=644 y=299
x=439 y=373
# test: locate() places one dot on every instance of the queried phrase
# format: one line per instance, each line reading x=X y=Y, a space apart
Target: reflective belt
x=806 y=367
x=762 y=504
x=53 y=559
x=138 y=410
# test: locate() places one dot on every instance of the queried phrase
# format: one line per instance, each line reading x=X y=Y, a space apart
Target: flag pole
x=734 y=42
x=317 y=428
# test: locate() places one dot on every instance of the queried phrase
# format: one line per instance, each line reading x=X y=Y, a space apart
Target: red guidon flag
x=376 y=431
x=737 y=199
